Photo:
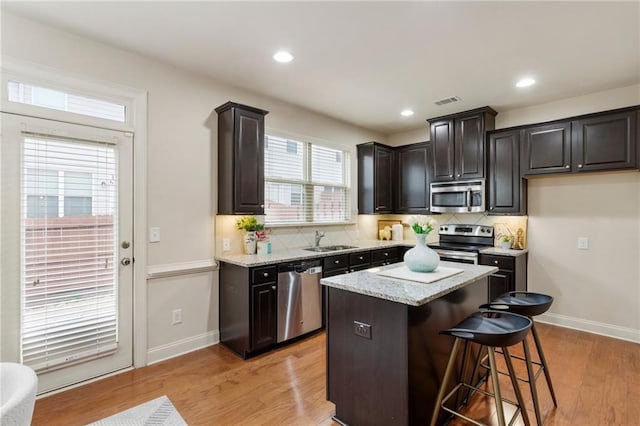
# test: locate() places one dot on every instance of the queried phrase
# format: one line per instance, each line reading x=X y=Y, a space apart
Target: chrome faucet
x=319 y=235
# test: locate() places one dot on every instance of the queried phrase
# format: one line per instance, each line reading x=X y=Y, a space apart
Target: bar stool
x=528 y=304
x=493 y=329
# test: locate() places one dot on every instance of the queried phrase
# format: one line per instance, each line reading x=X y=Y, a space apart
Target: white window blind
x=69 y=251
x=305 y=183
x=54 y=99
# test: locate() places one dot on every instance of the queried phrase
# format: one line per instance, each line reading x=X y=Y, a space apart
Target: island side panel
x=429 y=351
x=367 y=378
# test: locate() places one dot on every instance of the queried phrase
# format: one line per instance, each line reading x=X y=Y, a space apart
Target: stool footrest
x=483 y=363
x=474 y=388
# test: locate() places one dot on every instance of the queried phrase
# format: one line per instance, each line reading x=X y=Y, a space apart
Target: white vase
x=421 y=258
x=249 y=242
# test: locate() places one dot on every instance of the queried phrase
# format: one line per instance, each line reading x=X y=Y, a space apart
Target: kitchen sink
x=329 y=248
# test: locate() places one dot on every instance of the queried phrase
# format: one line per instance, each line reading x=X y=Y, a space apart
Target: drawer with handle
x=359 y=259
x=263 y=275
x=390 y=255
x=336 y=262
x=503 y=262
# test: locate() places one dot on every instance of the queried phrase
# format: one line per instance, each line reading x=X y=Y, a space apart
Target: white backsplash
x=366 y=228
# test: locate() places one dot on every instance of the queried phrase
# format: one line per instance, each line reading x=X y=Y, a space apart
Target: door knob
x=125 y=261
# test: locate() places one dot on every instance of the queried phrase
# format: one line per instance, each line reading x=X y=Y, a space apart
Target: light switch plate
x=226 y=244
x=583 y=243
x=154 y=235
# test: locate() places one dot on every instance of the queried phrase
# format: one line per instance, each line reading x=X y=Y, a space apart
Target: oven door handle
x=458 y=255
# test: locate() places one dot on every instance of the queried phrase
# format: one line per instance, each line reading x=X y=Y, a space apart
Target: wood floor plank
x=597 y=382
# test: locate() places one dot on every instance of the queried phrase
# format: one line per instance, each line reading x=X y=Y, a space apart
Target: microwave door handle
x=468 y=193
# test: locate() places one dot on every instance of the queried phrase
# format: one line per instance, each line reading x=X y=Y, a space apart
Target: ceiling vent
x=446 y=101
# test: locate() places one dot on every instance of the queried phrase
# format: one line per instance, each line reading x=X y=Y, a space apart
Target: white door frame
x=136 y=101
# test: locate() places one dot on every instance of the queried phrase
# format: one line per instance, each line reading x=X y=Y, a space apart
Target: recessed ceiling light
x=525 y=82
x=283 y=56
x=406 y=113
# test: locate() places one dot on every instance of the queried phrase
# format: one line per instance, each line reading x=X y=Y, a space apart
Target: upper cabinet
x=603 y=141
x=240 y=159
x=507 y=194
x=458 y=142
x=547 y=149
x=413 y=166
x=375 y=178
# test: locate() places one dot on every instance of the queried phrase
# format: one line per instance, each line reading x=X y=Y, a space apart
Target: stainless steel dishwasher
x=299 y=298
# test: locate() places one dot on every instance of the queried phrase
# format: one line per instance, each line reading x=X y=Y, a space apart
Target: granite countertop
x=412 y=293
x=252 y=260
x=504 y=252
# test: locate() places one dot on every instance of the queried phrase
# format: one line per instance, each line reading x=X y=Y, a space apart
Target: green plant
x=249 y=223
x=506 y=238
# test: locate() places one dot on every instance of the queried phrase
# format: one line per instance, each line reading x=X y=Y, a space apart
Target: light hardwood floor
x=597 y=382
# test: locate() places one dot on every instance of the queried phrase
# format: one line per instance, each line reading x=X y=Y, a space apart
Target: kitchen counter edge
x=407 y=292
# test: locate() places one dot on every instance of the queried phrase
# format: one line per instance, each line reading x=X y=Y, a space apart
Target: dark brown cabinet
x=507 y=193
x=386 y=256
x=458 y=142
x=604 y=142
x=594 y=142
x=511 y=275
x=375 y=178
x=240 y=159
x=413 y=166
x=546 y=148
x=248 y=308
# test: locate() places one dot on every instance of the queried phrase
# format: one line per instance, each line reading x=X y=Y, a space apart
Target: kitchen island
x=385 y=357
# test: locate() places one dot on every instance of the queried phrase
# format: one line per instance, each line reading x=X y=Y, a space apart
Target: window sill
x=307 y=224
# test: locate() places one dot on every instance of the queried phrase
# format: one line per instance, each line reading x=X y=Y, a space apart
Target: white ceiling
x=363 y=62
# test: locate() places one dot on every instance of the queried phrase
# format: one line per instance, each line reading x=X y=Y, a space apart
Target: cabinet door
x=469 y=147
x=249 y=163
x=383 y=171
x=500 y=283
x=605 y=142
x=546 y=149
x=263 y=315
x=506 y=191
x=442 y=143
x=413 y=178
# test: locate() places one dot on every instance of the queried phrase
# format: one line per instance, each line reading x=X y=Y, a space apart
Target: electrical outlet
x=176 y=316
x=361 y=329
x=583 y=243
x=154 y=235
x=226 y=244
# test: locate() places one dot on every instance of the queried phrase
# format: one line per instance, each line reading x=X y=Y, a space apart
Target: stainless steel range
x=462 y=243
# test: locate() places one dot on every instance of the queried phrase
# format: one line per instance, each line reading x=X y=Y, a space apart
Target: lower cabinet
x=386 y=256
x=511 y=276
x=248 y=307
x=263 y=315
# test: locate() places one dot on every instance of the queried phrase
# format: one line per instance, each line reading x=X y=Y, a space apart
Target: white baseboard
x=603 y=329
x=181 y=347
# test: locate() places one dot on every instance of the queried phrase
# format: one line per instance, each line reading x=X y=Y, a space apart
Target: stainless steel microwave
x=458 y=197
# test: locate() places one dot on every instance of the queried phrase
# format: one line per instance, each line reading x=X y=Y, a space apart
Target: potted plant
x=421 y=258
x=250 y=225
x=506 y=242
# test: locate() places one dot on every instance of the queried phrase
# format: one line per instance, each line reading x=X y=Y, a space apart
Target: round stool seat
x=521 y=302
x=492 y=328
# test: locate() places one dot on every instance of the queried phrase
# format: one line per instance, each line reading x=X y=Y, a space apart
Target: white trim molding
x=181 y=268
x=603 y=329
x=183 y=346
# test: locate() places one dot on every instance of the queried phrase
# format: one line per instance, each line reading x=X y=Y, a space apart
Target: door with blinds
x=67 y=267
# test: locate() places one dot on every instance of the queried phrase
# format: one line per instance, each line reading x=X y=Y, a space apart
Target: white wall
x=181 y=156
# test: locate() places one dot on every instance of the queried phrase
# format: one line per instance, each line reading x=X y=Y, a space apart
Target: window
x=305 y=183
x=53 y=99
x=43 y=195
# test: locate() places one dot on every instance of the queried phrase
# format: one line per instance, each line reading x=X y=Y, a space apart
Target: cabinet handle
x=266 y=274
x=261 y=206
x=458 y=174
x=337 y=262
x=450 y=175
x=386 y=254
x=360 y=258
x=567 y=166
x=495 y=261
x=491 y=208
x=579 y=166
x=273 y=287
